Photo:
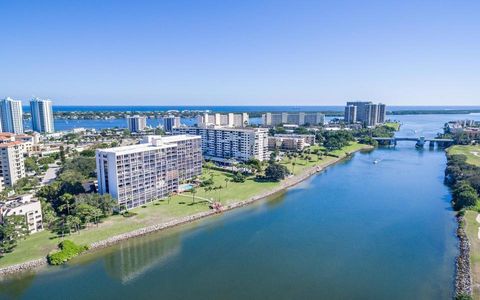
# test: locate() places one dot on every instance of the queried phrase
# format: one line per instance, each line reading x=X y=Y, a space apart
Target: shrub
x=463 y=297
x=128 y=214
x=68 y=250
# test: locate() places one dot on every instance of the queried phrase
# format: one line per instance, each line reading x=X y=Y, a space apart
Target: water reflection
x=13 y=288
x=135 y=257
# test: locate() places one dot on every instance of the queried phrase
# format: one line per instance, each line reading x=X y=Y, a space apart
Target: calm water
x=431 y=124
x=357 y=231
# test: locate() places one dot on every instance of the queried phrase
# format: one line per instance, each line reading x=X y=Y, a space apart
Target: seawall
x=285 y=184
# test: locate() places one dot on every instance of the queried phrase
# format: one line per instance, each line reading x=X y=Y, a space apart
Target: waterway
x=359 y=230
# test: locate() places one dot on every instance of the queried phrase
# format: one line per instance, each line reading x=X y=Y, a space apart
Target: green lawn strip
x=471 y=228
x=394 y=125
x=468 y=151
x=39 y=245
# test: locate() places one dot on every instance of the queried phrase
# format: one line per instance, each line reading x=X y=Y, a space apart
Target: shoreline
x=285 y=184
x=463 y=276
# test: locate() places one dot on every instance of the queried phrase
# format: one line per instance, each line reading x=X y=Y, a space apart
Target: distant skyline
x=241 y=52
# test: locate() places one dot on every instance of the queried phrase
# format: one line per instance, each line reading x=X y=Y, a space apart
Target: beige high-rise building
x=12 y=166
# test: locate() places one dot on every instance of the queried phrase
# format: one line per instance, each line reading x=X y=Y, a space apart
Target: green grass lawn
x=301 y=163
x=471 y=152
x=471 y=228
x=160 y=211
x=394 y=125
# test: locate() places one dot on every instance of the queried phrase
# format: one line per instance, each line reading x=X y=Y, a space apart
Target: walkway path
x=51 y=174
x=196 y=197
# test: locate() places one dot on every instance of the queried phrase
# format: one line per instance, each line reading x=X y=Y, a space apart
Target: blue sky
x=241 y=52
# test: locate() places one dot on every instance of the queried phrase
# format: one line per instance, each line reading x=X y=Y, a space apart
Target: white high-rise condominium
x=228 y=120
x=11 y=115
x=297 y=118
x=42 y=115
x=137 y=174
x=225 y=144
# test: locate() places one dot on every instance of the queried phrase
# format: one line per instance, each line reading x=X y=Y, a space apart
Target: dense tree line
x=66 y=206
x=334 y=140
x=464 y=179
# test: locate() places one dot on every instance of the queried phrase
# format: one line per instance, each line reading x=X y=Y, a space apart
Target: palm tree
x=293 y=167
x=226 y=181
x=194 y=191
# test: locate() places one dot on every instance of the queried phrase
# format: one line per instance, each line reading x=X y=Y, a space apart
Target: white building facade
x=11 y=115
x=42 y=115
x=170 y=122
x=136 y=123
x=224 y=144
x=12 y=166
x=295 y=118
x=26 y=206
x=135 y=175
x=226 y=120
x=365 y=112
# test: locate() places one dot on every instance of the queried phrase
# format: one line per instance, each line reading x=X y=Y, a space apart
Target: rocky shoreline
x=463 y=277
x=287 y=183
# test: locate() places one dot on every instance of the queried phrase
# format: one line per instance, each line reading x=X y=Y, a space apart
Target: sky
x=241 y=52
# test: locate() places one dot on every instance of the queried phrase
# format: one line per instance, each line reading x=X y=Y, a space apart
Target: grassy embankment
x=471 y=225
x=394 y=125
x=471 y=228
x=471 y=152
x=39 y=245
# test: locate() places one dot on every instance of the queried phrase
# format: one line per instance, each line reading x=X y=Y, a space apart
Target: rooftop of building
x=40 y=100
x=18 y=201
x=151 y=142
x=9 y=144
x=225 y=128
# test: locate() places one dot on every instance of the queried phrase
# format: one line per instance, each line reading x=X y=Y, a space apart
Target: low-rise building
x=473 y=133
x=286 y=143
x=135 y=175
x=27 y=206
x=224 y=145
x=308 y=138
x=27 y=140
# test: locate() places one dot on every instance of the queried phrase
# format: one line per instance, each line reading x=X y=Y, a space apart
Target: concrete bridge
x=419 y=141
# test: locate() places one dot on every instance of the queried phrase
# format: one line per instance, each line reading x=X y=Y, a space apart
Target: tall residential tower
x=136 y=123
x=42 y=115
x=367 y=113
x=137 y=174
x=11 y=115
